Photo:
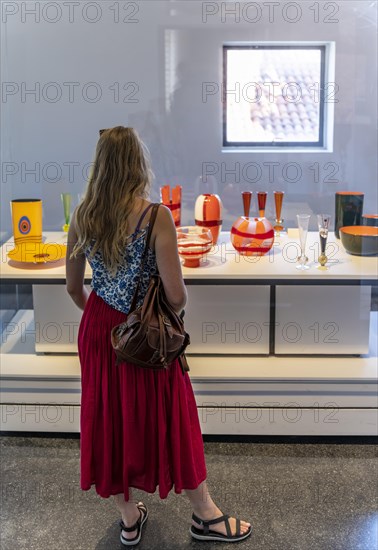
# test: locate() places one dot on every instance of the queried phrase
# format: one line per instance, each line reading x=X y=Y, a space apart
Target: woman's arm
x=75 y=269
x=168 y=260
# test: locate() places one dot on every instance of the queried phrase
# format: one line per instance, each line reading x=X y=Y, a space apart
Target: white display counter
x=273 y=350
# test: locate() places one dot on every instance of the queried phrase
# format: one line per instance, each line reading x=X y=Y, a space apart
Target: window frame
x=271 y=145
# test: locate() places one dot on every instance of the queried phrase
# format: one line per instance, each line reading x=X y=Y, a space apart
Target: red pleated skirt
x=139 y=428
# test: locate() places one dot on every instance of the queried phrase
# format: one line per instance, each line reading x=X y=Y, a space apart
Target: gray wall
x=60 y=136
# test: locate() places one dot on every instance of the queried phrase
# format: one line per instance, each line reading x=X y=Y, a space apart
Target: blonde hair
x=121 y=173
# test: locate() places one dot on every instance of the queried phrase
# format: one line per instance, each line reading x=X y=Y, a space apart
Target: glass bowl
x=360 y=240
x=193 y=244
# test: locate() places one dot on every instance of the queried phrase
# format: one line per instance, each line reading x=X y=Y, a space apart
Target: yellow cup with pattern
x=27 y=220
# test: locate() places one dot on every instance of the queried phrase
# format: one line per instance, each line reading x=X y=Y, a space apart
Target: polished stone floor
x=297 y=495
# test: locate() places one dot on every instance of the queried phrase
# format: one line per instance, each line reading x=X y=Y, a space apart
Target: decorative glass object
x=26 y=220
x=66 y=200
x=370 y=219
x=251 y=236
x=27 y=233
x=303 y=221
x=208 y=213
x=278 y=199
x=348 y=209
x=323 y=225
x=360 y=240
x=193 y=244
x=171 y=197
x=247 y=197
x=261 y=199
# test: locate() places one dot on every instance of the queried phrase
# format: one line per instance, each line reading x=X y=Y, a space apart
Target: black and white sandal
x=209 y=534
x=136 y=527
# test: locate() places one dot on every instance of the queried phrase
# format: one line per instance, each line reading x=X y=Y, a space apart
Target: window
x=273 y=96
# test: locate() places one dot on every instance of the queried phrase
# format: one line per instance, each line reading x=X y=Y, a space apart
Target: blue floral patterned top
x=118 y=290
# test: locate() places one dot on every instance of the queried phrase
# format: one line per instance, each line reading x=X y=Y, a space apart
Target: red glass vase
x=208 y=213
x=172 y=199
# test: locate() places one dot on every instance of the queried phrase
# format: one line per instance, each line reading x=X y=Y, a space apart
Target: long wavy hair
x=121 y=173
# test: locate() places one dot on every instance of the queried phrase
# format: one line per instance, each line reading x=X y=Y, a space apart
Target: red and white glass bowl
x=193 y=244
x=252 y=236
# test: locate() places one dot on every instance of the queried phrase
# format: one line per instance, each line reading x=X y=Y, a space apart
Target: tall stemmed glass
x=261 y=199
x=278 y=198
x=66 y=200
x=323 y=225
x=247 y=196
x=303 y=221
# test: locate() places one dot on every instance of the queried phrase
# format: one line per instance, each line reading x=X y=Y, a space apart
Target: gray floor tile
x=297 y=497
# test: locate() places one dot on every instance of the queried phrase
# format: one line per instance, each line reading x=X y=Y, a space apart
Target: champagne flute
x=66 y=200
x=278 y=199
x=261 y=199
x=323 y=225
x=247 y=196
x=303 y=221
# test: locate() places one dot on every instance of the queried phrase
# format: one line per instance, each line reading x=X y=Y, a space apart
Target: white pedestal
x=235 y=395
x=56 y=319
x=228 y=319
x=238 y=391
x=328 y=320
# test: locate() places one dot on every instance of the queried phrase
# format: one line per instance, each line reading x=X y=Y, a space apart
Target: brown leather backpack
x=153 y=335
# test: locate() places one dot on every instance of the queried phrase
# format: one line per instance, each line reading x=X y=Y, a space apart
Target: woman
x=139 y=428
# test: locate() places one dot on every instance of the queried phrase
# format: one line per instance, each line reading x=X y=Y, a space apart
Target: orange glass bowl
x=193 y=244
x=252 y=236
x=208 y=214
x=370 y=219
x=360 y=240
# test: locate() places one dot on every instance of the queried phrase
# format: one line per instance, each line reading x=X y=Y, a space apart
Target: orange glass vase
x=172 y=201
x=208 y=214
x=251 y=236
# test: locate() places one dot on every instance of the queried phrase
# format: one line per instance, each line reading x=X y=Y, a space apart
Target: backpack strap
x=142 y=218
x=145 y=252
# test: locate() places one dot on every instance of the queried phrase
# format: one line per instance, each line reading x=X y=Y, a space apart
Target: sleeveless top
x=118 y=290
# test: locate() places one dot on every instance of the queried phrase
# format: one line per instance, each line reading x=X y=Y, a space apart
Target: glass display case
x=265 y=338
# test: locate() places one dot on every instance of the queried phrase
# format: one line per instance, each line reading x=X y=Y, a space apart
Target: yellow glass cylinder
x=27 y=220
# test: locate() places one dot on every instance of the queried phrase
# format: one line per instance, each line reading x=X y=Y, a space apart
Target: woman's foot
x=220 y=527
x=209 y=519
x=129 y=521
x=131 y=531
